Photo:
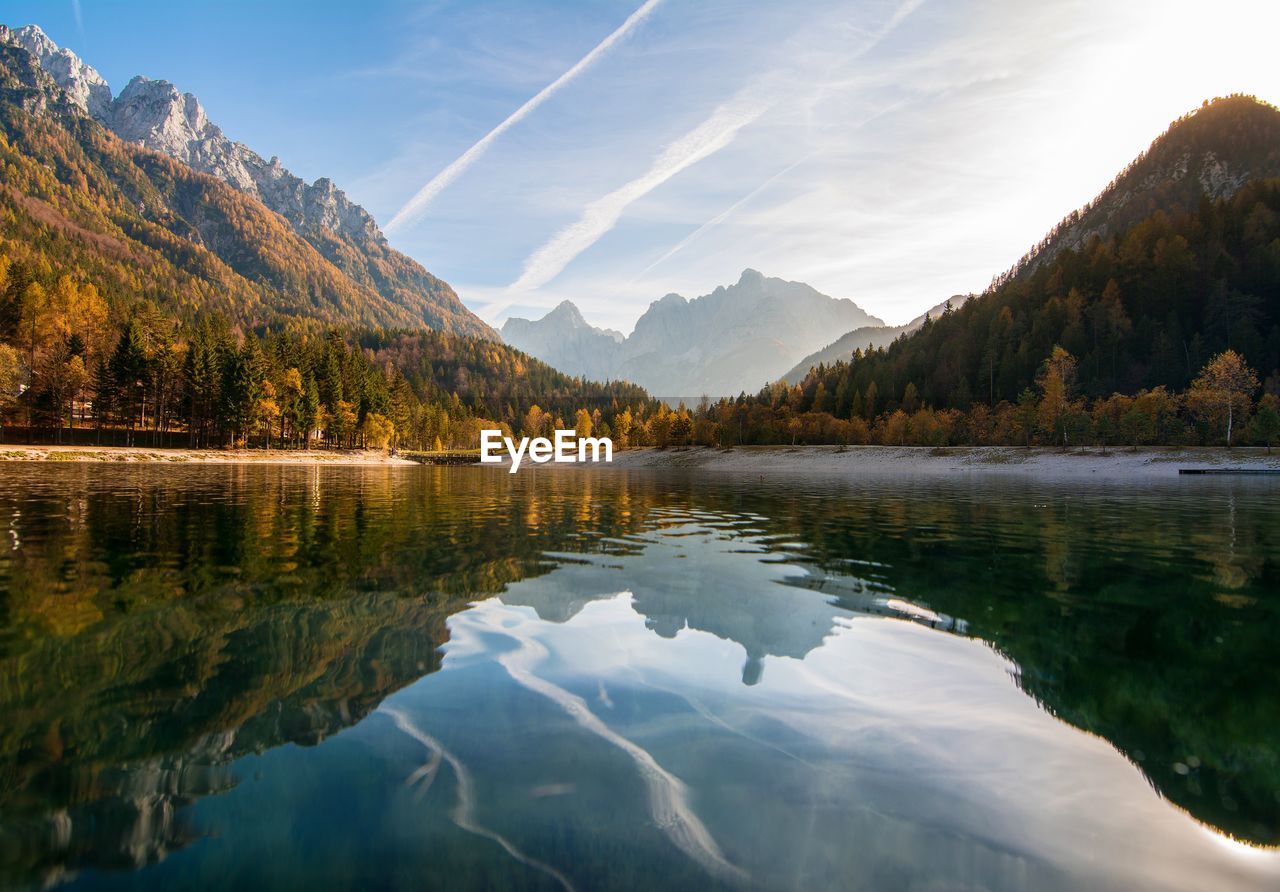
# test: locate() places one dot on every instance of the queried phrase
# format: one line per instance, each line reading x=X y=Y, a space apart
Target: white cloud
x=601 y=215
x=709 y=137
x=415 y=206
x=719 y=218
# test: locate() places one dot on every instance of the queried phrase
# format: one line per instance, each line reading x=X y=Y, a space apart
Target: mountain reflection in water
x=646 y=680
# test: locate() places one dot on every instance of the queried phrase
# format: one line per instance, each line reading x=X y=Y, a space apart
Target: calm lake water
x=414 y=678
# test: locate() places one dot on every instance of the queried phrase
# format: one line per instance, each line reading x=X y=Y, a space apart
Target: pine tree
x=309 y=412
x=128 y=373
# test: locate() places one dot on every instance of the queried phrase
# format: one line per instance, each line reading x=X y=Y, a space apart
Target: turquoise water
x=272 y=677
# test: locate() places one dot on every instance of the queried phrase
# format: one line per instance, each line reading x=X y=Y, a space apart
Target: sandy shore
x=866 y=461
x=10 y=452
x=855 y=461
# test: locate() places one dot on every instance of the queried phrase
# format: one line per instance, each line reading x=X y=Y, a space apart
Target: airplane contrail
x=712 y=135
x=732 y=209
x=464 y=812
x=414 y=207
x=603 y=214
x=669 y=806
x=720 y=217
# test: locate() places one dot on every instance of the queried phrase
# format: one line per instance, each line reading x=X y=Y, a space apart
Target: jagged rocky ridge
x=737 y=338
x=155 y=115
x=578 y=347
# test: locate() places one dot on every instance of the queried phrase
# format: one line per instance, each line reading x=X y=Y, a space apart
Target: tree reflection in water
x=157 y=623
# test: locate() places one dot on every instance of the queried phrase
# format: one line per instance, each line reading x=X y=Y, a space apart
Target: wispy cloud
x=746 y=199
x=79 y=17
x=719 y=218
x=709 y=137
x=415 y=206
x=603 y=214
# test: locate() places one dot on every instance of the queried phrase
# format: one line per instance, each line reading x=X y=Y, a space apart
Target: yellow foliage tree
x=378 y=431
x=1224 y=390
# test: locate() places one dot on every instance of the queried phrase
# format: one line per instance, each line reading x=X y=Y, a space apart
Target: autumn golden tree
x=1223 y=392
x=11 y=375
x=622 y=428
x=536 y=422
x=378 y=431
x=1057 y=381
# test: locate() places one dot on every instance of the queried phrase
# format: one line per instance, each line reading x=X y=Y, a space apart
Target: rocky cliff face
x=157 y=116
x=566 y=341
x=738 y=337
x=154 y=114
x=83 y=84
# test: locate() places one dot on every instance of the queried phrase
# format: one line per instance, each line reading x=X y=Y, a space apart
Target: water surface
x=274 y=677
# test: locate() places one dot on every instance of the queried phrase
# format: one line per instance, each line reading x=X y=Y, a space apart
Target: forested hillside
x=1146 y=307
x=1209 y=153
x=1141 y=306
x=140 y=225
x=154 y=115
x=153 y=303
x=1129 y=312
x=136 y=373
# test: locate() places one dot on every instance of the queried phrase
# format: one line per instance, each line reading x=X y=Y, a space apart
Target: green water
x=416 y=678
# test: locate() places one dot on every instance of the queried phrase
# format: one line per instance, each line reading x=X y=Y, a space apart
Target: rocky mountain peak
x=567 y=311
x=82 y=83
x=156 y=115
x=160 y=103
x=736 y=338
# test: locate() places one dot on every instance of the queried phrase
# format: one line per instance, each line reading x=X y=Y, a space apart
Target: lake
x=414 y=678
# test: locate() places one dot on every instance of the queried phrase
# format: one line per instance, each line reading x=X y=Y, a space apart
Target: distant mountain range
x=578 y=347
x=870 y=337
x=737 y=338
x=141 y=195
x=347 y=272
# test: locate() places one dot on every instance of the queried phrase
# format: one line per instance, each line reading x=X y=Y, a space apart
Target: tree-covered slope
x=1177 y=261
x=153 y=114
x=1209 y=153
x=139 y=224
x=147 y=300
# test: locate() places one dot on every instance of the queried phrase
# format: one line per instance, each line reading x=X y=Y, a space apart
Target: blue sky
x=890 y=151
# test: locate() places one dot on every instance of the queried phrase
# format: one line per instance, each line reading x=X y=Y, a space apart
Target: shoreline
x=162 y=455
x=897 y=461
x=834 y=461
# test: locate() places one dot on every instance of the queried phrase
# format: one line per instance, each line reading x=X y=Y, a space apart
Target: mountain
x=868 y=338
x=83 y=84
x=186 y=310
x=1176 y=261
x=155 y=115
x=736 y=338
x=1208 y=154
x=565 y=340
